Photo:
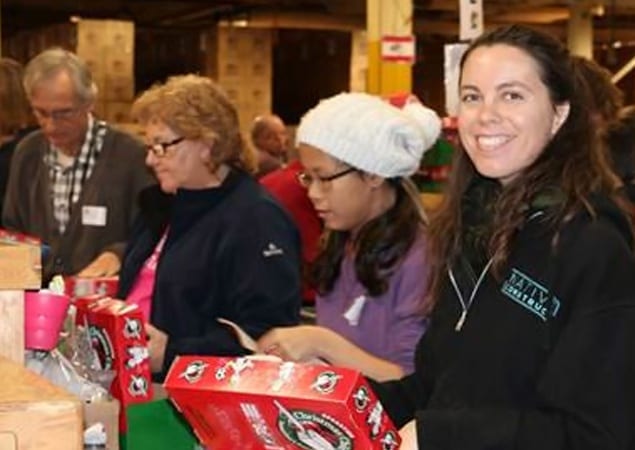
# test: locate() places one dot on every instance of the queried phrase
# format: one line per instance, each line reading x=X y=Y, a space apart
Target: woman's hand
x=408 y=434
x=291 y=343
x=157 y=341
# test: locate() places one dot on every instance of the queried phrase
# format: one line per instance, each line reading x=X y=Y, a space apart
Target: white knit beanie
x=369 y=134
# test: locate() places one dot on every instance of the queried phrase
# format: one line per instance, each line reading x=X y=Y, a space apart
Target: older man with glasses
x=73 y=183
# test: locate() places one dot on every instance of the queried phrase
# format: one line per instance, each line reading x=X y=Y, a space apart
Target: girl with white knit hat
x=358 y=152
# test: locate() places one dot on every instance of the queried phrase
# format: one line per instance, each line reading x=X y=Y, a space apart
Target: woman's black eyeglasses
x=159 y=149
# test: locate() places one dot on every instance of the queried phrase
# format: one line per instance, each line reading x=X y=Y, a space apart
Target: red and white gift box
x=259 y=403
x=118 y=335
x=77 y=287
x=11 y=237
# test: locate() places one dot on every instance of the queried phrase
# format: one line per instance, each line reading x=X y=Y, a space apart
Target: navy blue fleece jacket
x=231 y=252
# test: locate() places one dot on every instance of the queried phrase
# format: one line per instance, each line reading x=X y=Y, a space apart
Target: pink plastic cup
x=44 y=314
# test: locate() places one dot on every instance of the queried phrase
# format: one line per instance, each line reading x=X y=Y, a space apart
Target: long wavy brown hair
x=574 y=160
x=379 y=245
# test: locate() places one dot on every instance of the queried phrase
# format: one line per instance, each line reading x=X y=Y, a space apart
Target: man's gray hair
x=50 y=62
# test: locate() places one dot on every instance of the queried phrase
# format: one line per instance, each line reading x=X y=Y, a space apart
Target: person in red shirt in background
x=283 y=184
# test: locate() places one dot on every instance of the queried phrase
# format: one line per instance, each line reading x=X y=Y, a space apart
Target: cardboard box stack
x=359 y=60
x=243 y=68
x=108 y=48
x=20 y=269
x=20 y=261
x=252 y=403
x=34 y=414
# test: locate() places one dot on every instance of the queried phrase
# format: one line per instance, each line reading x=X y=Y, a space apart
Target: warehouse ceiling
x=614 y=20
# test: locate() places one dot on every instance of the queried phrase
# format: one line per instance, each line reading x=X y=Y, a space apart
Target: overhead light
x=242 y=23
x=74 y=19
x=617 y=44
x=598 y=10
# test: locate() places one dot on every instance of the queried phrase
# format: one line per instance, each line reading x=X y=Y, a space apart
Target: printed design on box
x=237 y=366
x=138 y=386
x=85 y=287
x=389 y=441
x=325 y=382
x=284 y=375
x=82 y=287
x=133 y=328
x=137 y=355
x=361 y=398
x=312 y=431
x=102 y=288
x=194 y=371
x=374 y=420
x=102 y=345
x=259 y=425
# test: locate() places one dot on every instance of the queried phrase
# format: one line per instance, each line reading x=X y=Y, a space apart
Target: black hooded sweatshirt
x=545 y=356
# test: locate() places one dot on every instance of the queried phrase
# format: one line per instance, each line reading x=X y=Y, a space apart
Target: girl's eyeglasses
x=307 y=180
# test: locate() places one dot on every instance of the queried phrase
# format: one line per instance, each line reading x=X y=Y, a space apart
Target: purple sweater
x=388 y=326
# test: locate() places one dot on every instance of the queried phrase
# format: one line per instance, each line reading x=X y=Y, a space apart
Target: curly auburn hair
x=196 y=108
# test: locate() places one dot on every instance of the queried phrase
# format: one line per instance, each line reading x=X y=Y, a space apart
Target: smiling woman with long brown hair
x=531 y=343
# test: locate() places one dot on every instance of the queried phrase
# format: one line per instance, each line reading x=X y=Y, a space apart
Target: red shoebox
x=85 y=304
x=76 y=287
x=254 y=404
x=10 y=237
x=118 y=335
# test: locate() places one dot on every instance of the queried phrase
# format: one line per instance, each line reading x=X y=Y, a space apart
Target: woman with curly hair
x=210 y=242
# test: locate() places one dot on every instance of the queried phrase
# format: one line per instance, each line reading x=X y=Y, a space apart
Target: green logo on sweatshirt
x=530 y=295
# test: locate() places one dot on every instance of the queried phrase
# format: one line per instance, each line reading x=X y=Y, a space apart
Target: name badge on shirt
x=94 y=216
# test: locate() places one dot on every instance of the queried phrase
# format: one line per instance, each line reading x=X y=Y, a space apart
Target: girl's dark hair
x=574 y=160
x=379 y=245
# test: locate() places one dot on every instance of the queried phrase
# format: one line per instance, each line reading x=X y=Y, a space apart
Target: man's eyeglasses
x=307 y=180
x=56 y=114
x=159 y=149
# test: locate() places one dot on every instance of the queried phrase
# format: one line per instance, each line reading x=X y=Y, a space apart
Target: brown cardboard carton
x=20 y=266
x=35 y=414
x=118 y=88
x=117 y=112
